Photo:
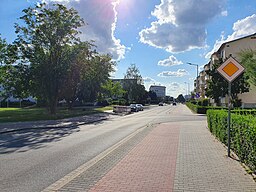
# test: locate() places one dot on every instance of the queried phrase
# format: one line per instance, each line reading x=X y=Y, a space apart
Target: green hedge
x=200 y=109
x=242 y=134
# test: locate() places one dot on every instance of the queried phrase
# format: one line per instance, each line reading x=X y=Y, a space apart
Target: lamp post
x=197 y=84
x=187 y=92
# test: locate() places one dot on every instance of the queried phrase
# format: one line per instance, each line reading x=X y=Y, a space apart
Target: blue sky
x=159 y=36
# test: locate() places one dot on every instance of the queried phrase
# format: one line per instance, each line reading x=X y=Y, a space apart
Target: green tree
x=79 y=58
x=181 y=98
x=3 y=50
x=97 y=73
x=112 y=89
x=218 y=86
x=43 y=43
x=248 y=60
x=135 y=91
x=16 y=81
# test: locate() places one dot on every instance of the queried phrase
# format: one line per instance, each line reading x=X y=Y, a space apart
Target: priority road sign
x=230 y=69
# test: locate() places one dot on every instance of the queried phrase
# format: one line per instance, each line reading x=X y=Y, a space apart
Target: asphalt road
x=32 y=160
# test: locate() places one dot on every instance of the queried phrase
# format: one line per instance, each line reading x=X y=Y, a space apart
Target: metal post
x=229 y=117
x=197 y=80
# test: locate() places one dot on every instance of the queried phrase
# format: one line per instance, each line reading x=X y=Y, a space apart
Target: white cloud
x=180 y=25
x=224 y=13
x=179 y=73
x=241 y=28
x=170 y=61
x=174 y=89
x=148 y=79
x=101 y=17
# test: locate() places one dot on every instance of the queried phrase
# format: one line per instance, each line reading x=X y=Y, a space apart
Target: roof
x=223 y=44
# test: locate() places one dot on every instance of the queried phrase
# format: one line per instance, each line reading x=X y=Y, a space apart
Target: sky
x=159 y=36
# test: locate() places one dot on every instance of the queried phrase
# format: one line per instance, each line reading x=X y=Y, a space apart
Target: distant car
x=174 y=103
x=161 y=104
x=139 y=107
x=134 y=108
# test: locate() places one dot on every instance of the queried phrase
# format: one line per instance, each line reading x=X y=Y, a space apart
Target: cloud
x=148 y=79
x=224 y=13
x=180 y=25
x=101 y=19
x=241 y=28
x=174 y=89
x=179 y=73
x=170 y=61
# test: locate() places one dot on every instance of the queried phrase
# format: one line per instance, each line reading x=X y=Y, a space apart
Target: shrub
x=242 y=134
x=200 y=109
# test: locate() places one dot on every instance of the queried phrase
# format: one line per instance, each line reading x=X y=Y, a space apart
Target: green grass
x=35 y=114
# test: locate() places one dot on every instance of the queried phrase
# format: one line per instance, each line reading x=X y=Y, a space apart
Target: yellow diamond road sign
x=230 y=69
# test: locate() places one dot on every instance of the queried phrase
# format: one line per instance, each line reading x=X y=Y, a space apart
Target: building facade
x=159 y=90
x=231 y=48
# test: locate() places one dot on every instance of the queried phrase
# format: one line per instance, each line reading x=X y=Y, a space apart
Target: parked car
x=134 y=108
x=174 y=103
x=140 y=107
x=161 y=104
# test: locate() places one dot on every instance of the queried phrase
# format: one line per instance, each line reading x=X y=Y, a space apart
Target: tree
x=112 y=89
x=78 y=57
x=248 y=60
x=96 y=74
x=218 y=86
x=135 y=91
x=3 y=50
x=43 y=43
x=181 y=98
x=16 y=81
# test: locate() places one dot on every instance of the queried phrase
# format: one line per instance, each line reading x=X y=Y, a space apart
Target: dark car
x=174 y=103
x=133 y=108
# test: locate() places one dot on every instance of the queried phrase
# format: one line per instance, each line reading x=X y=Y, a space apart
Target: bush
x=242 y=134
x=200 y=109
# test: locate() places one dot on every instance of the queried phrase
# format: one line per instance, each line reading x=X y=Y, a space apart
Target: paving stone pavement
x=150 y=166
x=169 y=157
x=203 y=165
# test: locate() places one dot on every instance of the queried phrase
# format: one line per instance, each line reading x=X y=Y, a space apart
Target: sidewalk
x=179 y=157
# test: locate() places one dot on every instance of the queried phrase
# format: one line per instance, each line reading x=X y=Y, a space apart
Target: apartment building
x=159 y=90
x=231 y=48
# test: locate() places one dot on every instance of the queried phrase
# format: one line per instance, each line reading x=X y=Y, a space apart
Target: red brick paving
x=150 y=166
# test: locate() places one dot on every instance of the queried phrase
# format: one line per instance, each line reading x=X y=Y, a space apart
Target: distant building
x=159 y=90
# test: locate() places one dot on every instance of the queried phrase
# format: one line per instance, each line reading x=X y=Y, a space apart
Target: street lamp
x=197 y=84
x=188 y=87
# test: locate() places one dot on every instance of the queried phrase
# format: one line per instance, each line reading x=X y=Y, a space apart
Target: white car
x=139 y=107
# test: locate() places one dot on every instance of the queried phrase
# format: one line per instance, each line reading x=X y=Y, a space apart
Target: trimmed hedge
x=242 y=134
x=200 y=109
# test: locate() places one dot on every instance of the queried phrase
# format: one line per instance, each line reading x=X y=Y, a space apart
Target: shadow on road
x=37 y=137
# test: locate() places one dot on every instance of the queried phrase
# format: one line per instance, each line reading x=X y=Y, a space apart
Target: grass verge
x=36 y=114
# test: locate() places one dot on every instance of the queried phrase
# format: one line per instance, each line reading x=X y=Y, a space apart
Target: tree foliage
x=218 y=86
x=135 y=91
x=3 y=50
x=112 y=89
x=248 y=60
x=181 y=98
x=44 y=43
x=97 y=73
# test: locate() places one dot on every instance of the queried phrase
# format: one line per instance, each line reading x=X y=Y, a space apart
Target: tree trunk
x=53 y=106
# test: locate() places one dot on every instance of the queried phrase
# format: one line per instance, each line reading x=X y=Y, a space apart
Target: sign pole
x=230 y=70
x=229 y=116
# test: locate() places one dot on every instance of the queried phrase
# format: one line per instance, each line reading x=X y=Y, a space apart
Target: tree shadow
x=38 y=136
